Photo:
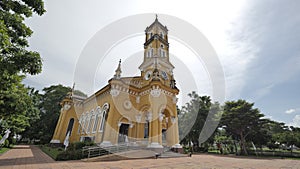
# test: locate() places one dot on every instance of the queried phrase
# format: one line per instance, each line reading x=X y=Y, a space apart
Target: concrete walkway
x=28 y=157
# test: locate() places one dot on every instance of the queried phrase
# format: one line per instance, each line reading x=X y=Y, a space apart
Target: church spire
x=118 y=71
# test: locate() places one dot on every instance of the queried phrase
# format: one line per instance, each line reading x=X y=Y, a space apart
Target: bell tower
x=156 y=64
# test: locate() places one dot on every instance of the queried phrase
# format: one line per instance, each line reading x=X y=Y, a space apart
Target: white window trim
x=91 y=117
x=102 y=121
x=95 y=126
x=87 y=120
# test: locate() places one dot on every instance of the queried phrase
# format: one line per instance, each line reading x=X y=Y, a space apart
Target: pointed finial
x=73 y=88
x=118 y=71
x=155 y=16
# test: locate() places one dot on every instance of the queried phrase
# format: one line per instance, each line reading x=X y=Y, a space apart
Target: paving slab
x=31 y=157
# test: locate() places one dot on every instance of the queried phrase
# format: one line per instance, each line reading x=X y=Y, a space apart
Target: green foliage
x=240 y=124
x=79 y=145
x=6 y=143
x=70 y=155
x=239 y=119
x=52 y=152
x=14 y=57
x=17 y=107
x=3 y=150
x=49 y=104
x=193 y=117
x=73 y=152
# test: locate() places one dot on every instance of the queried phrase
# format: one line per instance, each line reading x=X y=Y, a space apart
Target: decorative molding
x=137 y=99
x=114 y=92
x=175 y=99
x=173 y=119
x=138 y=118
x=161 y=117
x=149 y=116
x=67 y=106
x=119 y=124
x=155 y=92
x=127 y=104
x=105 y=107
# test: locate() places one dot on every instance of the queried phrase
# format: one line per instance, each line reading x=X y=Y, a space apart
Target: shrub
x=79 y=145
x=6 y=143
x=69 y=155
x=60 y=149
x=13 y=141
x=73 y=152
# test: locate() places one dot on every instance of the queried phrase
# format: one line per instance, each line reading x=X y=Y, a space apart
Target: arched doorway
x=124 y=125
x=165 y=120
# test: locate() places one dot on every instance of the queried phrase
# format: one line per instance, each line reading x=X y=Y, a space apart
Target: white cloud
x=290 y=111
x=296 y=121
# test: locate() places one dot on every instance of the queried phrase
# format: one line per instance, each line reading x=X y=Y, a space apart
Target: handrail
x=94 y=151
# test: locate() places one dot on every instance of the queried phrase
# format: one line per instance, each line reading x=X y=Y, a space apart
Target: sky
x=257 y=43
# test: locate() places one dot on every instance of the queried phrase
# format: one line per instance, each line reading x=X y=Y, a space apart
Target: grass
x=3 y=150
x=52 y=152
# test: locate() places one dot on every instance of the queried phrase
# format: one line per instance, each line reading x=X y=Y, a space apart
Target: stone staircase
x=123 y=152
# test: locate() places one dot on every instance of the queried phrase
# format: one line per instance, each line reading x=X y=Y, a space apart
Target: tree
x=240 y=119
x=14 y=57
x=261 y=135
x=50 y=111
x=16 y=105
x=192 y=118
x=276 y=130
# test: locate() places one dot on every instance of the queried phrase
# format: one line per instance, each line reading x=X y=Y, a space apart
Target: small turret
x=118 y=71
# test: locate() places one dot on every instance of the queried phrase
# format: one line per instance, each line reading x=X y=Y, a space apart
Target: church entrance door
x=123 y=133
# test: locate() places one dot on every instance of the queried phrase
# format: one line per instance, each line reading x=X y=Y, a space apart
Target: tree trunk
x=243 y=146
x=236 y=150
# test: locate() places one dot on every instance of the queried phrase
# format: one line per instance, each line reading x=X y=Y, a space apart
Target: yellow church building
x=138 y=110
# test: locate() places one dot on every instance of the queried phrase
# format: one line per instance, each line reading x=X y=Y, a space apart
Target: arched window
x=92 y=118
x=96 y=123
x=82 y=124
x=151 y=53
x=146 y=129
x=87 y=120
x=105 y=109
x=161 y=34
x=70 y=126
x=148 y=53
x=161 y=52
x=102 y=121
x=98 y=111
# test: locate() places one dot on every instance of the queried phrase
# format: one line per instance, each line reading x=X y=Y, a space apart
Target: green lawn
x=3 y=150
x=52 y=152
